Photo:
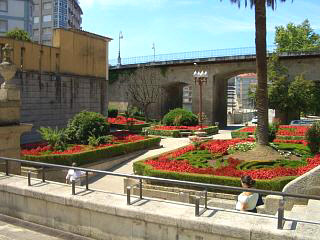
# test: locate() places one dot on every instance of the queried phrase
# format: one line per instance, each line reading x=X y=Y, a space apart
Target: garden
x=180 y=122
x=86 y=139
x=222 y=162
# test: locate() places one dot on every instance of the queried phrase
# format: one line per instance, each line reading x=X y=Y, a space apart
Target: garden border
x=97 y=154
x=211 y=130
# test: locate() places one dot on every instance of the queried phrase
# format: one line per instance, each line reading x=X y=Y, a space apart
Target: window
x=46 y=30
x=46 y=42
x=36 y=32
x=3 y=26
x=47 y=6
x=47 y=18
x=36 y=8
x=4 y=5
x=36 y=20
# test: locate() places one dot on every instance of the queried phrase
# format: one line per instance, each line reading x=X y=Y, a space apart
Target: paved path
x=16 y=229
x=115 y=184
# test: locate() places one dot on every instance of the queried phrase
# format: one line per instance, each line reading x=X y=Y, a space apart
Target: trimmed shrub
x=238 y=134
x=112 y=113
x=275 y=184
x=180 y=117
x=97 y=154
x=136 y=128
x=86 y=124
x=313 y=137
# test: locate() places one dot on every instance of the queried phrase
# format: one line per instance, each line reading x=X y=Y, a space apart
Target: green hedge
x=133 y=128
x=276 y=184
x=237 y=134
x=176 y=133
x=97 y=154
x=290 y=137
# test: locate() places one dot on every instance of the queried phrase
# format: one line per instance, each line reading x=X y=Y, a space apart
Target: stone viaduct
x=178 y=73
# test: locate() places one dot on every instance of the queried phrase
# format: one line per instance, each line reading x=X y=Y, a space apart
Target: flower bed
x=132 y=124
x=273 y=178
x=175 y=131
x=83 y=154
x=285 y=132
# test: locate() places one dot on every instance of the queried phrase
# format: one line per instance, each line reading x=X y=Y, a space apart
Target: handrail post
x=140 y=188
x=128 y=195
x=205 y=199
x=280 y=214
x=197 y=206
x=43 y=175
x=7 y=168
x=87 y=181
x=73 y=183
x=29 y=178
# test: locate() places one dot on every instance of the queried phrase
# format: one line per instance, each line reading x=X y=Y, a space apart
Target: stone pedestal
x=10 y=145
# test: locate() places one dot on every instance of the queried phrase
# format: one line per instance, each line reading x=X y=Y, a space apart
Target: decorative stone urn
x=10 y=127
x=7 y=69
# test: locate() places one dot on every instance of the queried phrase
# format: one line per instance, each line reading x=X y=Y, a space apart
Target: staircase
x=310 y=212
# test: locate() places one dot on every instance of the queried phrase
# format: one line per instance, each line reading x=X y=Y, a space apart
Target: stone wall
x=102 y=215
x=51 y=100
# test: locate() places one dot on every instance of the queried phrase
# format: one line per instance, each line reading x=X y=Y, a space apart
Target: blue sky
x=186 y=25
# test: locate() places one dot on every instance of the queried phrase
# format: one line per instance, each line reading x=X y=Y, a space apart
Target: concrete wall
x=220 y=70
x=51 y=100
x=106 y=216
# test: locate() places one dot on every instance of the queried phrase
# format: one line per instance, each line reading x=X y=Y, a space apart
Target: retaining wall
x=106 y=216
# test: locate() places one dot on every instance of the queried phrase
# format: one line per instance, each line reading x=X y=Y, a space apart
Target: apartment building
x=50 y=14
x=16 y=14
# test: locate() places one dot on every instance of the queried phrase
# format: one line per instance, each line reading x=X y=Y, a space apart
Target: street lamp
x=119 y=57
x=154 y=51
x=200 y=77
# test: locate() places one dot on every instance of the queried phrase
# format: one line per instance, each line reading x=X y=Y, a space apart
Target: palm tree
x=261 y=65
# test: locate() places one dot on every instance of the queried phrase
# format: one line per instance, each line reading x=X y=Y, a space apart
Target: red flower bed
x=304 y=142
x=191 y=128
x=286 y=130
x=124 y=120
x=248 y=129
x=168 y=163
x=118 y=137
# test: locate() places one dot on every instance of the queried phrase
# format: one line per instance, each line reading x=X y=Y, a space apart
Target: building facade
x=50 y=14
x=16 y=14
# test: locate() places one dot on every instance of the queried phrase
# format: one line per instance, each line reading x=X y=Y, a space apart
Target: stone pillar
x=10 y=127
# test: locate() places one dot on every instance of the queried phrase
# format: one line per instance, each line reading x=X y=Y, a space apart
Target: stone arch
x=172 y=96
x=220 y=82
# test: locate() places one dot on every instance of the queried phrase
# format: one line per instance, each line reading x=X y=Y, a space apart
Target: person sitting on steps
x=247 y=201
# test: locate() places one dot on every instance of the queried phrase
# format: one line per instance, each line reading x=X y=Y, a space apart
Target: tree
x=19 y=34
x=285 y=95
x=297 y=38
x=143 y=87
x=261 y=65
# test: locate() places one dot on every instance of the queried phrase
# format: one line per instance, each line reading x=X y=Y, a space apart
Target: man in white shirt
x=74 y=175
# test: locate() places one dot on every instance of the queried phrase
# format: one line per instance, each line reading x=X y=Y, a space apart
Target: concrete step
x=222 y=203
x=297 y=212
x=313 y=210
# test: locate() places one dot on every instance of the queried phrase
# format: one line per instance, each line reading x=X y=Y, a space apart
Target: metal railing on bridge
x=203 y=186
x=228 y=52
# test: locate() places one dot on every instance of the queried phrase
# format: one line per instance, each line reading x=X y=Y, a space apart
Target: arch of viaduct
x=176 y=74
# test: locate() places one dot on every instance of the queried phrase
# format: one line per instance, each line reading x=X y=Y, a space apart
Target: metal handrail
x=228 y=52
x=204 y=186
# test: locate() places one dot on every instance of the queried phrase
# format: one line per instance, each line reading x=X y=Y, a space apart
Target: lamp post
x=200 y=77
x=154 y=51
x=119 y=57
